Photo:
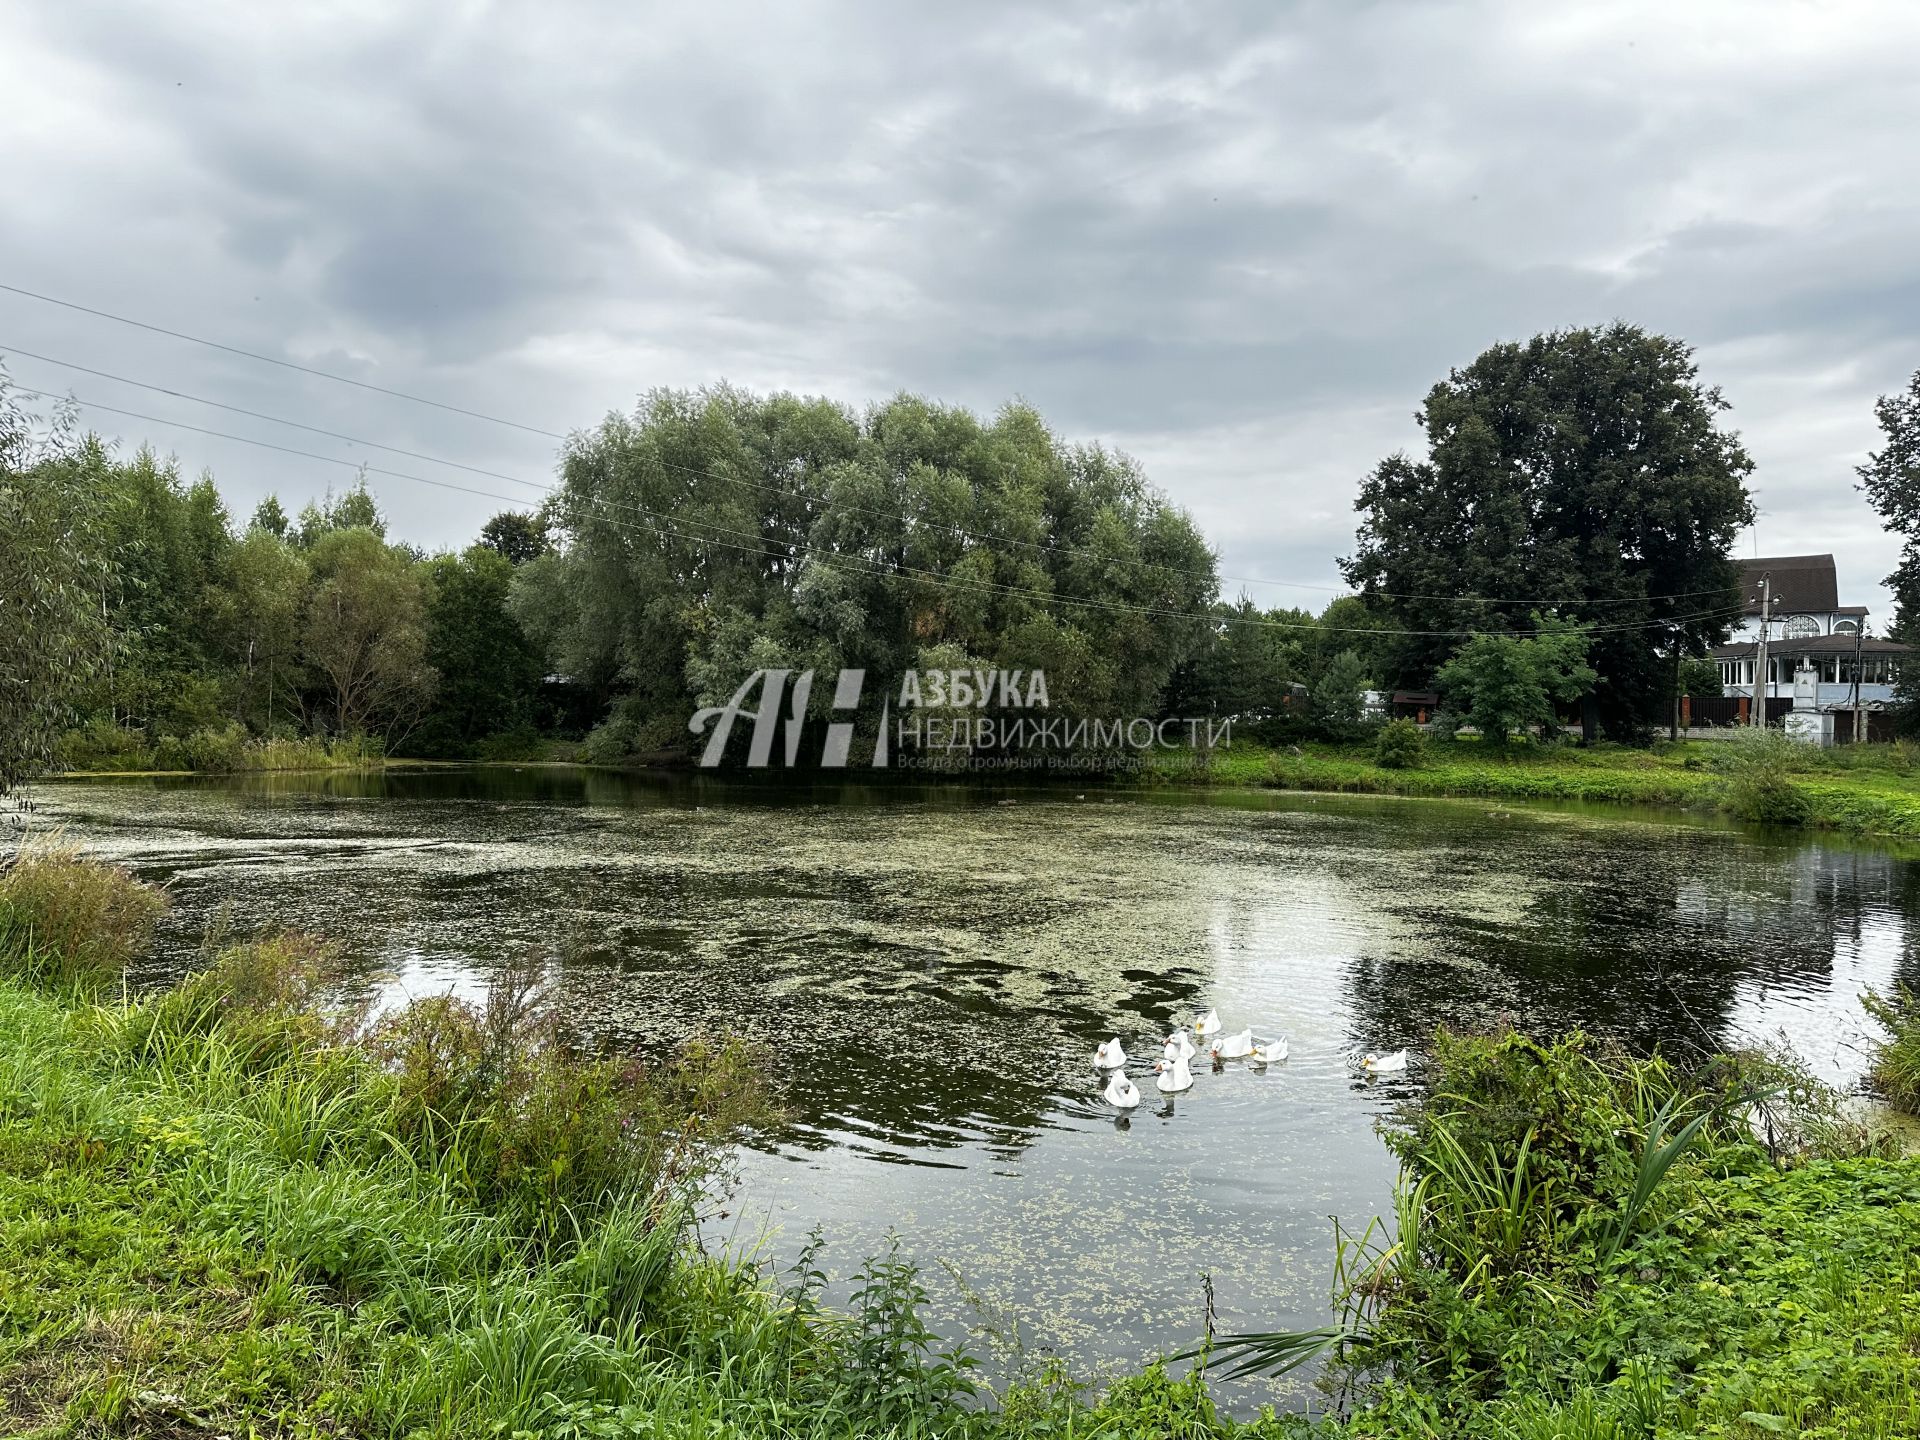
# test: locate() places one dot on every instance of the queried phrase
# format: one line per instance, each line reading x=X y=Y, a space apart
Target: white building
x=1809 y=626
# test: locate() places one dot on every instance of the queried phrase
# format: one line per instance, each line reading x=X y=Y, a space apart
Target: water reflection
x=931 y=971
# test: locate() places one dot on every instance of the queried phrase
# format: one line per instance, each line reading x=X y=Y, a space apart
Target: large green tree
x=1891 y=479
x=713 y=533
x=488 y=671
x=171 y=547
x=264 y=604
x=1584 y=470
x=54 y=571
x=366 y=634
x=1501 y=683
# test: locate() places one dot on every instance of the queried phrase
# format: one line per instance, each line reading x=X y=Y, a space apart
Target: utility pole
x=1859 y=656
x=1759 y=716
x=1673 y=720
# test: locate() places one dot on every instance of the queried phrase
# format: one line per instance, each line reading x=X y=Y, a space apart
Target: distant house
x=1809 y=628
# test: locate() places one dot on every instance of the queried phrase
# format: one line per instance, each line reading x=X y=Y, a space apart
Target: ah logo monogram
x=766 y=720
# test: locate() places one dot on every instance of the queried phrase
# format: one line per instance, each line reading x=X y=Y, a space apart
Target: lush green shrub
x=101 y=745
x=211 y=751
x=1400 y=745
x=68 y=920
x=1896 y=1062
x=1520 y=1147
x=1758 y=763
x=214 y=750
x=542 y=1130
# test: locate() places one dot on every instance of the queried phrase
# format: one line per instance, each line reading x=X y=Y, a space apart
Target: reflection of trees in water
x=1644 y=935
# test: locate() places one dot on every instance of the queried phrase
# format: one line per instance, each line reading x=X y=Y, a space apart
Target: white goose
x=1178 y=1047
x=1121 y=1092
x=1385 y=1064
x=1172 y=1076
x=1270 y=1052
x=1109 y=1056
x=1207 y=1024
x=1232 y=1047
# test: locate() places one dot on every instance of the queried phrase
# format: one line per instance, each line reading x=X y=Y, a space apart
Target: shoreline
x=1875 y=802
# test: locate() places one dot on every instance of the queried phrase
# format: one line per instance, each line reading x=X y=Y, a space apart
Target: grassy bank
x=109 y=749
x=1864 y=790
x=1592 y=1247
x=238 y=1207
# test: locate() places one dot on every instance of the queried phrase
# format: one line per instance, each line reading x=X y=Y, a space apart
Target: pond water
x=931 y=969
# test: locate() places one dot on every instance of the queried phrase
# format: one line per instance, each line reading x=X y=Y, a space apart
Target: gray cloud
x=1239 y=240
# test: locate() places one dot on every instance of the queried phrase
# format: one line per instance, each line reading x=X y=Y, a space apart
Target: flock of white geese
x=1173 y=1071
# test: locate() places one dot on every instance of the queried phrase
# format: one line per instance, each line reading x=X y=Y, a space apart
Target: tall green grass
x=1896 y=1061
x=69 y=922
x=103 y=747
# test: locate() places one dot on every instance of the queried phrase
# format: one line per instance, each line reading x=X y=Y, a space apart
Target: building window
x=1800 y=627
x=1846 y=627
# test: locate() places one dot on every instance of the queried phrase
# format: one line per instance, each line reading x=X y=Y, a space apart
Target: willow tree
x=713 y=533
x=53 y=571
x=366 y=633
x=1584 y=471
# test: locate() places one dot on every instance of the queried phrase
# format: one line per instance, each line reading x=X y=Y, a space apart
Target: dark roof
x=1801 y=584
x=1813 y=645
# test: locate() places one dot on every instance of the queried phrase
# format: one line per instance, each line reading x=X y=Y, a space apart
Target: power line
x=283 y=364
x=271 y=419
x=786 y=492
x=878 y=569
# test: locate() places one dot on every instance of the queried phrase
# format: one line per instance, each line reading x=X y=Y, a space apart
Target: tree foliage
x=1502 y=683
x=1584 y=469
x=516 y=536
x=488 y=671
x=366 y=632
x=53 y=567
x=717 y=532
x=1339 y=695
x=1891 y=479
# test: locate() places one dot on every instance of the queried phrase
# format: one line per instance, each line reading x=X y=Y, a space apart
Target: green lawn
x=1872 y=791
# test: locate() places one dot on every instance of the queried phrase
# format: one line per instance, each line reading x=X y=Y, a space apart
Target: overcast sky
x=1239 y=241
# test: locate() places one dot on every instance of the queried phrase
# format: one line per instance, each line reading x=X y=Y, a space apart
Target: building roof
x=1802 y=584
x=1812 y=645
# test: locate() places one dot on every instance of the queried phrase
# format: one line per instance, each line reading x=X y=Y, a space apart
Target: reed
x=1896 y=1061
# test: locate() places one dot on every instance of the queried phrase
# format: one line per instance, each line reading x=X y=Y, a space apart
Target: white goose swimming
x=1270 y=1052
x=1178 y=1047
x=1207 y=1024
x=1109 y=1056
x=1121 y=1092
x=1172 y=1076
x=1385 y=1064
x=1232 y=1047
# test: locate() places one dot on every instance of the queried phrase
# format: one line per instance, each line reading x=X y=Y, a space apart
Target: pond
x=929 y=971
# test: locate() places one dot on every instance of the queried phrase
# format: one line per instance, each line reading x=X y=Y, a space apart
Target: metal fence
x=1732 y=709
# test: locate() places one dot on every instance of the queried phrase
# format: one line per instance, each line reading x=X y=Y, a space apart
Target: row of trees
x=133 y=609
x=1579 y=483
